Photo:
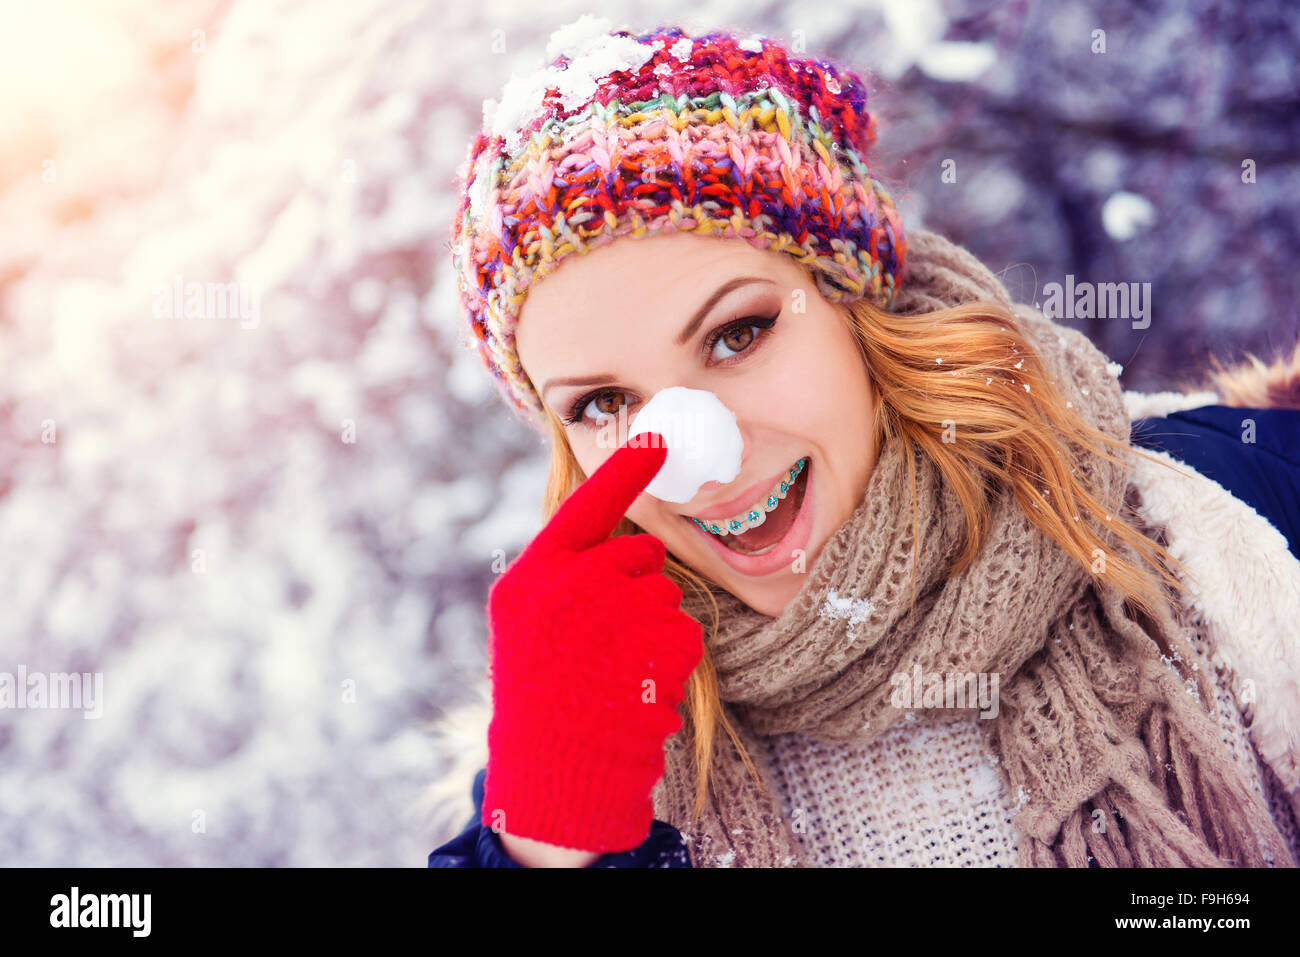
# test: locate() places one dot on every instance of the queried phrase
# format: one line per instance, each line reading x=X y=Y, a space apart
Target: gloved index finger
x=591 y=511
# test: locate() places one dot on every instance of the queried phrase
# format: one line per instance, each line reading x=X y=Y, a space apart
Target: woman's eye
x=602 y=405
x=591 y=411
x=737 y=338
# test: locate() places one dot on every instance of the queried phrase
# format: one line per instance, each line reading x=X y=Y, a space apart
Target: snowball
x=704 y=442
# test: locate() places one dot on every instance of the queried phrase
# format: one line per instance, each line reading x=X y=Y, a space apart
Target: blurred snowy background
x=273 y=532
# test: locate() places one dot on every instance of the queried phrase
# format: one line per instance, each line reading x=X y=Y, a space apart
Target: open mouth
x=757 y=531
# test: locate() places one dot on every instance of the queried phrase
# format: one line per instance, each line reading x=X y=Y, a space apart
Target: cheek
x=650 y=514
x=807 y=387
x=836 y=386
x=587 y=451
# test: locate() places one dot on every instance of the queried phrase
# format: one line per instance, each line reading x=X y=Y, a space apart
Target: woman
x=965 y=512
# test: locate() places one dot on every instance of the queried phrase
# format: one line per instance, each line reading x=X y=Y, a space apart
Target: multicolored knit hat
x=633 y=135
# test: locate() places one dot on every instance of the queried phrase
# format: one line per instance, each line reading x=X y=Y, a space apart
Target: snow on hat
x=633 y=135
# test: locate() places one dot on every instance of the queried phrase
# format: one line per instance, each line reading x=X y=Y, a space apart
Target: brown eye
x=738 y=339
x=595 y=405
x=603 y=401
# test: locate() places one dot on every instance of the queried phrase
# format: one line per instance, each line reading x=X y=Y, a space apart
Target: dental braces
x=755 y=517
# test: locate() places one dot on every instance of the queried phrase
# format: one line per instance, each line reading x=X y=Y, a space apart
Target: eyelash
x=765 y=323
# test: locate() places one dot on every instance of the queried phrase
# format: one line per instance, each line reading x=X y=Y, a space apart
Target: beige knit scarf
x=1090 y=716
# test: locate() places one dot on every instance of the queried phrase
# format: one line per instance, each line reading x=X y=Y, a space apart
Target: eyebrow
x=682 y=336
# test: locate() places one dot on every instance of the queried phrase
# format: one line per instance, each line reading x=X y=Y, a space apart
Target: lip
x=744 y=500
x=796 y=537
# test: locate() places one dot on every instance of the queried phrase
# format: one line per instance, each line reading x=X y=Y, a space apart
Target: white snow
x=704 y=442
x=682 y=49
x=479 y=189
x=593 y=56
x=852 y=610
x=574 y=39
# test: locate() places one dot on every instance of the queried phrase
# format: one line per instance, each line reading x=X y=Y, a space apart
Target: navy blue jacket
x=479 y=846
x=1264 y=474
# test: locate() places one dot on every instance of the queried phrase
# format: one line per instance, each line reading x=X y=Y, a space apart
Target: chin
x=772 y=600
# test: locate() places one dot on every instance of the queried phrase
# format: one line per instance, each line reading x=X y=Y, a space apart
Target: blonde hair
x=1010 y=436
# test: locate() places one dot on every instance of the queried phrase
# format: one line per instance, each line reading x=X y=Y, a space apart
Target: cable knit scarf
x=1090 y=716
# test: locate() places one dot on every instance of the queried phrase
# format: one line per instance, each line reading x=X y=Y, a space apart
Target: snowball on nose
x=704 y=442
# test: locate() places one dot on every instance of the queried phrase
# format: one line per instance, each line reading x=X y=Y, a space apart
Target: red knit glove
x=590 y=653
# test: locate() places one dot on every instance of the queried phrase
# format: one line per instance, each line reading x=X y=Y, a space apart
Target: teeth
x=756 y=515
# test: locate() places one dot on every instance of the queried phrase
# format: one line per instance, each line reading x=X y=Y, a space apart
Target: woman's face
x=799 y=388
